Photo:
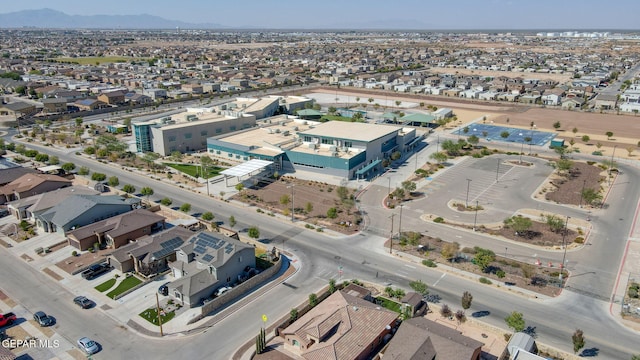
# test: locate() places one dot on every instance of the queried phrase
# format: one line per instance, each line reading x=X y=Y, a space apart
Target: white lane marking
x=441 y=277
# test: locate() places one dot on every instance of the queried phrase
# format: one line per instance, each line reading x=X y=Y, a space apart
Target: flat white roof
x=49 y=168
x=246 y=168
x=351 y=130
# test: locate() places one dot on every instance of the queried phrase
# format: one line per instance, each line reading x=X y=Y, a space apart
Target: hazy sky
x=424 y=14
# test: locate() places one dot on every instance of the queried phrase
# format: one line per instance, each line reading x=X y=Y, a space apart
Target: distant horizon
x=463 y=15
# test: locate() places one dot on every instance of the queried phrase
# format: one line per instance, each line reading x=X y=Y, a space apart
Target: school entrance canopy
x=245 y=169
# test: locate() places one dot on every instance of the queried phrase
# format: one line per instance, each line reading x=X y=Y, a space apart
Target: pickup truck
x=7 y=319
x=95 y=270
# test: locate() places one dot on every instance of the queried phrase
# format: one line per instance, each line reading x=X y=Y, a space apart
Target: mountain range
x=53 y=19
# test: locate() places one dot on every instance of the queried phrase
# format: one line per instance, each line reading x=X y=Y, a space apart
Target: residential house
x=17 y=109
x=155 y=94
x=112 y=97
x=419 y=338
x=521 y=343
x=207 y=262
x=79 y=210
x=89 y=104
x=606 y=102
x=340 y=327
x=572 y=103
x=10 y=171
x=116 y=231
x=54 y=105
x=135 y=98
x=31 y=184
x=414 y=304
x=552 y=97
x=24 y=209
x=150 y=254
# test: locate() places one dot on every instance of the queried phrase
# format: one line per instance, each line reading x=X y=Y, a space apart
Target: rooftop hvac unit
x=295 y=128
x=277 y=131
x=285 y=133
x=332 y=148
x=270 y=131
x=311 y=146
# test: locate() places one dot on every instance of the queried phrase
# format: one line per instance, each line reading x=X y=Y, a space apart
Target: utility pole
x=391 y=235
x=400 y=223
x=293 y=208
x=498 y=170
x=466 y=201
x=564 y=256
x=158 y=311
x=611 y=165
x=584 y=182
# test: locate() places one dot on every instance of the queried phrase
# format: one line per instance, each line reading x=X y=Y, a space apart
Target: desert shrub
x=429 y=263
x=579 y=240
x=484 y=280
x=438 y=220
x=500 y=274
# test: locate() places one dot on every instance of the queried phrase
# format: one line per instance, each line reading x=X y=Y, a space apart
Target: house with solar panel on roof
x=207 y=262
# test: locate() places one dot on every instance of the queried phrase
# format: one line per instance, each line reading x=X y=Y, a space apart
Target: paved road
x=361 y=257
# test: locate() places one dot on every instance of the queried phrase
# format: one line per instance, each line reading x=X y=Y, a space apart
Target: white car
x=223 y=290
x=87 y=345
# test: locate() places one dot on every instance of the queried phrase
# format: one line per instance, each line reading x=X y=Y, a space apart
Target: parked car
x=7 y=319
x=164 y=289
x=222 y=290
x=42 y=319
x=83 y=302
x=87 y=345
x=95 y=270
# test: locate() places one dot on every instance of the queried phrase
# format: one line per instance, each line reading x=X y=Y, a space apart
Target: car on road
x=43 y=319
x=83 y=302
x=87 y=345
x=95 y=270
x=479 y=314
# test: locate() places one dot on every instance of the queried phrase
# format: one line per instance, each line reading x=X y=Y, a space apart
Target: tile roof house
x=10 y=173
x=340 y=327
x=116 y=231
x=112 y=97
x=150 y=254
x=31 y=184
x=416 y=338
x=206 y=262
x=79 y=210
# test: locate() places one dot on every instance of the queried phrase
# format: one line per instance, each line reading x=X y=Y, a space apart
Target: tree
x=519 y=224
x=409 y=186
x=129 y=189
x=54 y=160
x=232 y=221
x=149 y=158
x=98 y=177
x=293 y=314
x=484 y=258
x=284 y=199
x=515 y=321
x=176 y=156
x=396 y=155
x=564 y=165
x=591 y=196
x=332 y=110
x=578 y=340
x=332 y=213
x=186 y=207
x=575 y=131
x=313 y=299
x=557 y=125
x=465 y=130
x=114 y=181
x=253 y=232
x=473 y=140
x=504 y=134
x=452 y=148
x=167 y=202
x=609 y=134
x=460 y=316
x=585 y=138
x=67 y=167
x=467 y=298
x=398 y=102
x=239 y=187
x=440 y=157
x=445 y=311
x=555 y=223
x=208 y=216
x=343 y=192
x=419 y=287
x=146 y=191
x=449 y=250
x=332 y=286
x=42 y=157
x=635 y=357
x=79 y=122
x=206 y=163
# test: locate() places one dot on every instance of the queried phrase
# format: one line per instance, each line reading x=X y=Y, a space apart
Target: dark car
x=95 y=270
x=43 y=319
x=83 y=302
x=164 y=289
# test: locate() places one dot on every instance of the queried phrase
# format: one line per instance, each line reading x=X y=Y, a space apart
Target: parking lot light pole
x=498 y=170
x=391 y=234
x=564 y=256
x=611 y=165
x=521 y=148
x=400 y=223
x=292 y=201
x=475 y=219
x=466 y=201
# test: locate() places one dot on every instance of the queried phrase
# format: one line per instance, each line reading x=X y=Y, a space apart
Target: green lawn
x=124 y=285
x=106 y=285
x=338 y=118
x=388 y=304
x=92 y=60
x=194 y=170
x=151 y=315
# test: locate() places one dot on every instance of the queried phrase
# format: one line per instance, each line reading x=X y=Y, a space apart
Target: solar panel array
x=204 y=241
x=167 y=247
